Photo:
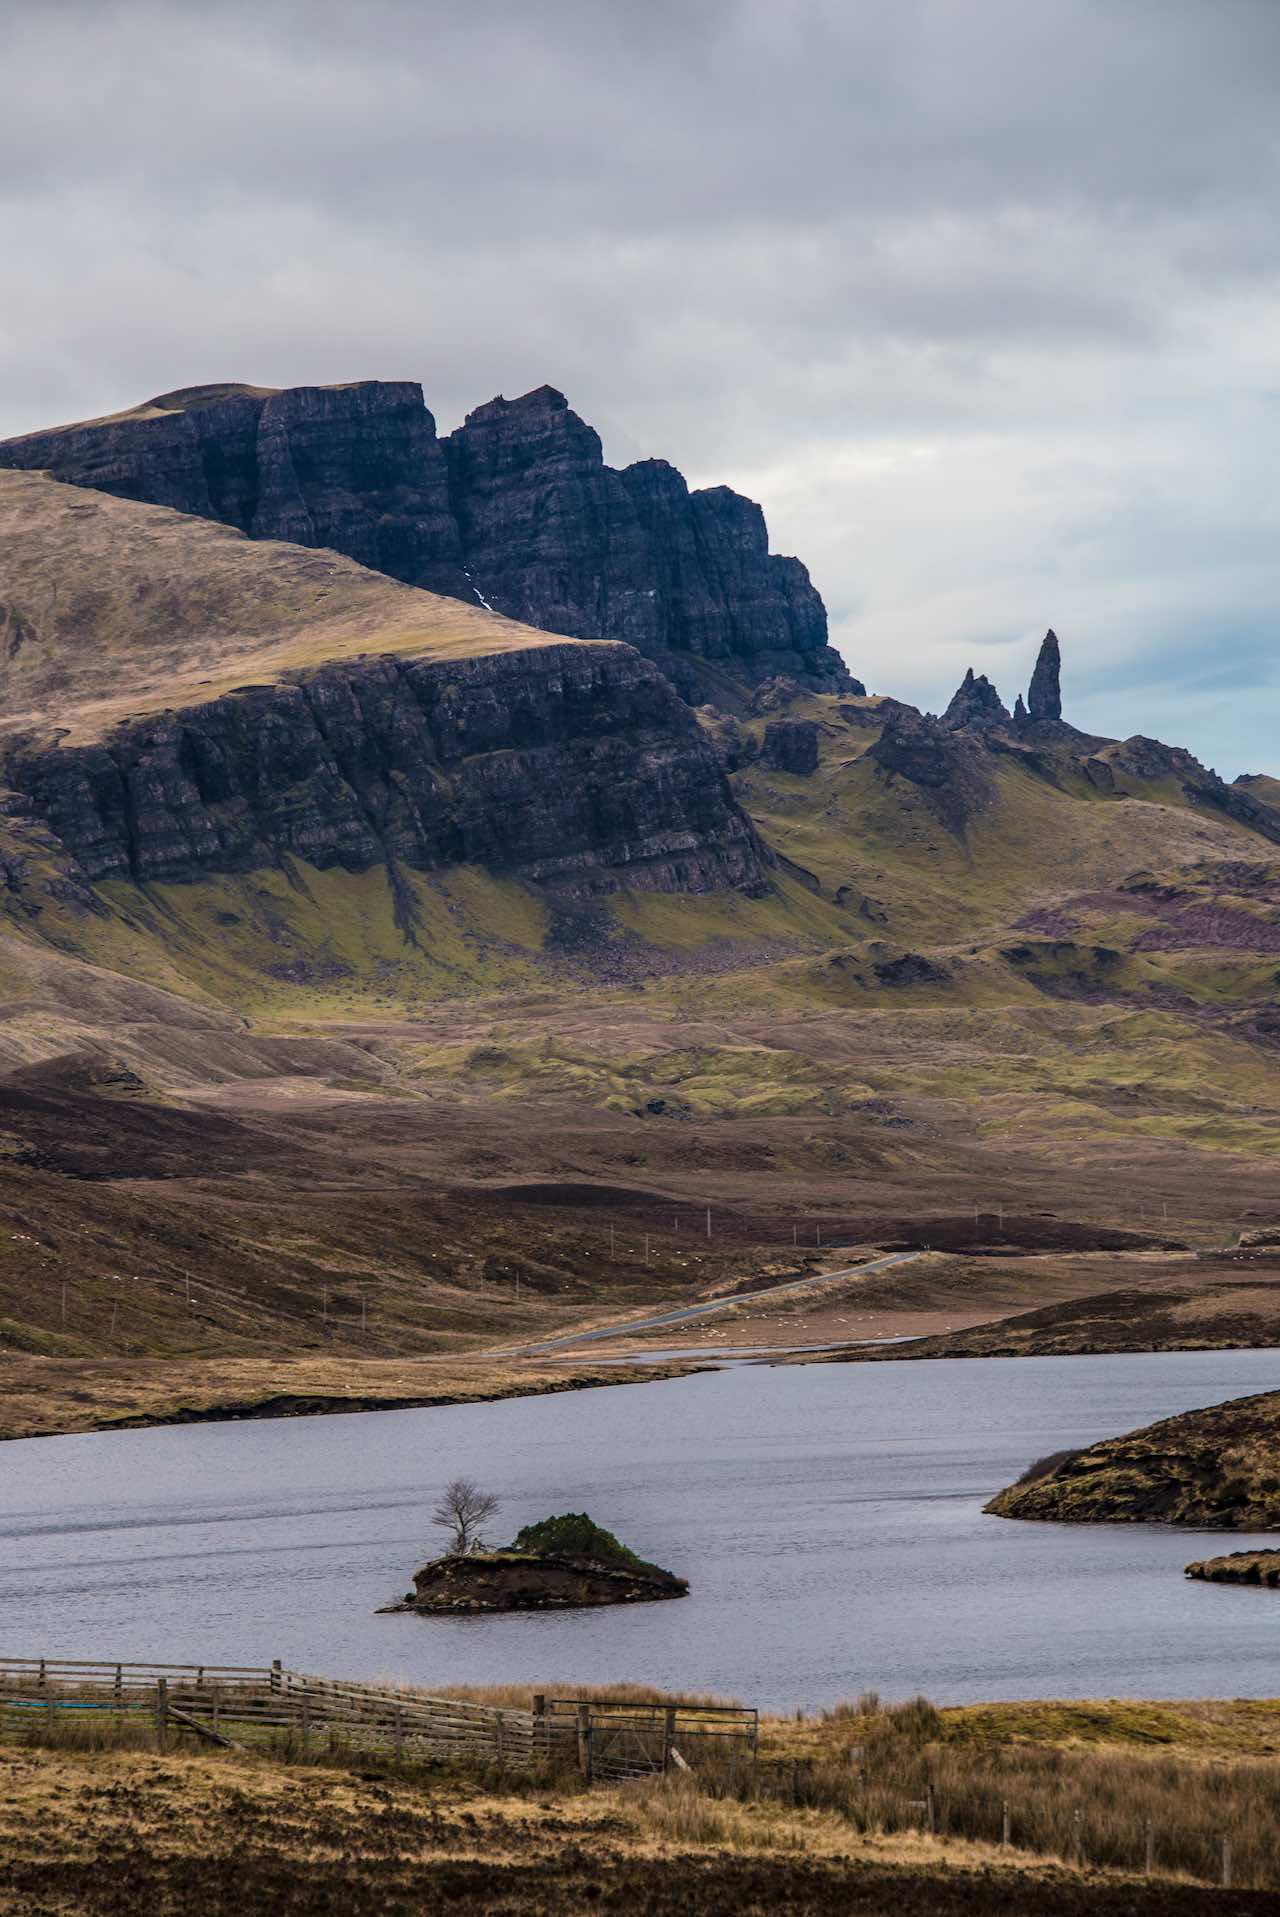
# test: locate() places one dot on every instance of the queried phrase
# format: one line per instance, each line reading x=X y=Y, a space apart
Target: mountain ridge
x=515 y=511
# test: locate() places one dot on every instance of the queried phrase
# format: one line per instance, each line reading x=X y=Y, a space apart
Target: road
x=686 y=1312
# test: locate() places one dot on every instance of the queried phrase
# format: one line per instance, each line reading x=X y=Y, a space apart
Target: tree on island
x=462 y=1510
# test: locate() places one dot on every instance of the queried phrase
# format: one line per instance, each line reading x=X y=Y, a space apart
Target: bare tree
x=462 y=1510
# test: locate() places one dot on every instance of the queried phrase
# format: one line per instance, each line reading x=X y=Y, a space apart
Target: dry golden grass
x=43 y=1396
x=114 y=609
x=182 y=1831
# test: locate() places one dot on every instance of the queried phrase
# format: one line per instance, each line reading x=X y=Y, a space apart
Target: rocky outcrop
x=491 y=1581
x=1044 y=695
x=791 y=745
x=515 y=510
x=976 y=705
x=1239 y=1567
x=572 y=764
x=1150 y=759
x=950 y=769
x=1217 y=1469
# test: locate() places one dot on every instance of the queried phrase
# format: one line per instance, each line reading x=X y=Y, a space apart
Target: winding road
x=686 y=1312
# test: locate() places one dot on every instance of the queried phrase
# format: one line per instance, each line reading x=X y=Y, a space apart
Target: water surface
x=828 y=1517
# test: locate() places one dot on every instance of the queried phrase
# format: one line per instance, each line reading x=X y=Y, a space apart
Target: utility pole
x=646 y=1248
x=188 y=1276
x=708 y=1221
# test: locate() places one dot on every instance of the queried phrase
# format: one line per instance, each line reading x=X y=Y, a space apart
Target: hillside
x=515 y=510
x=1218 y=1469
x=335 y=908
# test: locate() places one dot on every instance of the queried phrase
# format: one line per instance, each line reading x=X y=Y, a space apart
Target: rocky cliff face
x=553 y=536
x=572 y=764
x=516 y=510
x=357 y=468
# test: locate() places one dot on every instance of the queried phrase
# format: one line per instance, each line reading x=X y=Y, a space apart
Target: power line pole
x=708 y=1221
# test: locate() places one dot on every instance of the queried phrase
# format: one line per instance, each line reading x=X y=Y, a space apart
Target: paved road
x=686 y=1312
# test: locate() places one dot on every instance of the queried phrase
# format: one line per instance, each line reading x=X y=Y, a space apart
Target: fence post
x=399 y=1734
x=119 y=1682
x=1151 y=1847
x=275 y=1674
x=584 y=1740
x=541 y=1737
x=931 y=1805
x=306 y=1720
x=1226 y=1863
x=1077 y=1837
x=668 y=1738
x=162 y=1711
x=499 y=1740
x=1004 y=1823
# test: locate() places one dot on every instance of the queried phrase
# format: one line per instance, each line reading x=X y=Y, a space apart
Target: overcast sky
x=978 y=297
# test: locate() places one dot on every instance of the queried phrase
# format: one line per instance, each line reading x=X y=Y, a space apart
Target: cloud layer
x=978 y=297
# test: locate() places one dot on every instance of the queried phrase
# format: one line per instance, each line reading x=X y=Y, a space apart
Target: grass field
x=835 y=1821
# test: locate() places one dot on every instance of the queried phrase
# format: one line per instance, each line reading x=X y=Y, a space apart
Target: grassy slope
x=832 y=1825
x=908 y=1016
x=1216 y=1469
x=118 y=609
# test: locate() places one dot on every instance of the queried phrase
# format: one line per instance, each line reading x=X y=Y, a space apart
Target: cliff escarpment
x=576 y=764
x=177 y=700
x=515 y=511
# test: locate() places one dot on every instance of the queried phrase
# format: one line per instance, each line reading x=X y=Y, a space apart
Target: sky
x=979 y=298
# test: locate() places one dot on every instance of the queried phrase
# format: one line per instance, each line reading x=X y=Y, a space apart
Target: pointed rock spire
x=1044 y=697
x=977 y=703
x=1019 y=711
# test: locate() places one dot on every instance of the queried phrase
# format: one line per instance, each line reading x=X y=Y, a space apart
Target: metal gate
x=617 y=1738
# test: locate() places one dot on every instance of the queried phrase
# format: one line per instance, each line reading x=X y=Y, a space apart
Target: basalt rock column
x=1044 y=696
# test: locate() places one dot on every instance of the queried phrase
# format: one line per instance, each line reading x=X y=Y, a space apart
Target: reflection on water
x=828 y=1518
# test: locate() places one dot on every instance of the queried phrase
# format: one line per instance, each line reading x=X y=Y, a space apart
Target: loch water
x=828 y=1517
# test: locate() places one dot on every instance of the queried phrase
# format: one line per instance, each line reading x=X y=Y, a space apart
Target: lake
x=828 y=1518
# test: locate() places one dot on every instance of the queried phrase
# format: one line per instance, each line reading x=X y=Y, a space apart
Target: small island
x=1240 y=1567
x=562 y=1563
x=1216 y=1470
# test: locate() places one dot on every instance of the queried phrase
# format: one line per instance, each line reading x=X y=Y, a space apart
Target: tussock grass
x=1087 y=1805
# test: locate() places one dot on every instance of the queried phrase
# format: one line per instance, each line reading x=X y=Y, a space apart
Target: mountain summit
x=516 y=511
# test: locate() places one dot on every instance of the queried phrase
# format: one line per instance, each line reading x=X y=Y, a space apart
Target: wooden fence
x=239 y=1706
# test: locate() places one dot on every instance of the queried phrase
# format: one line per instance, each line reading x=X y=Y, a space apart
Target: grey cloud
x=978 y=296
